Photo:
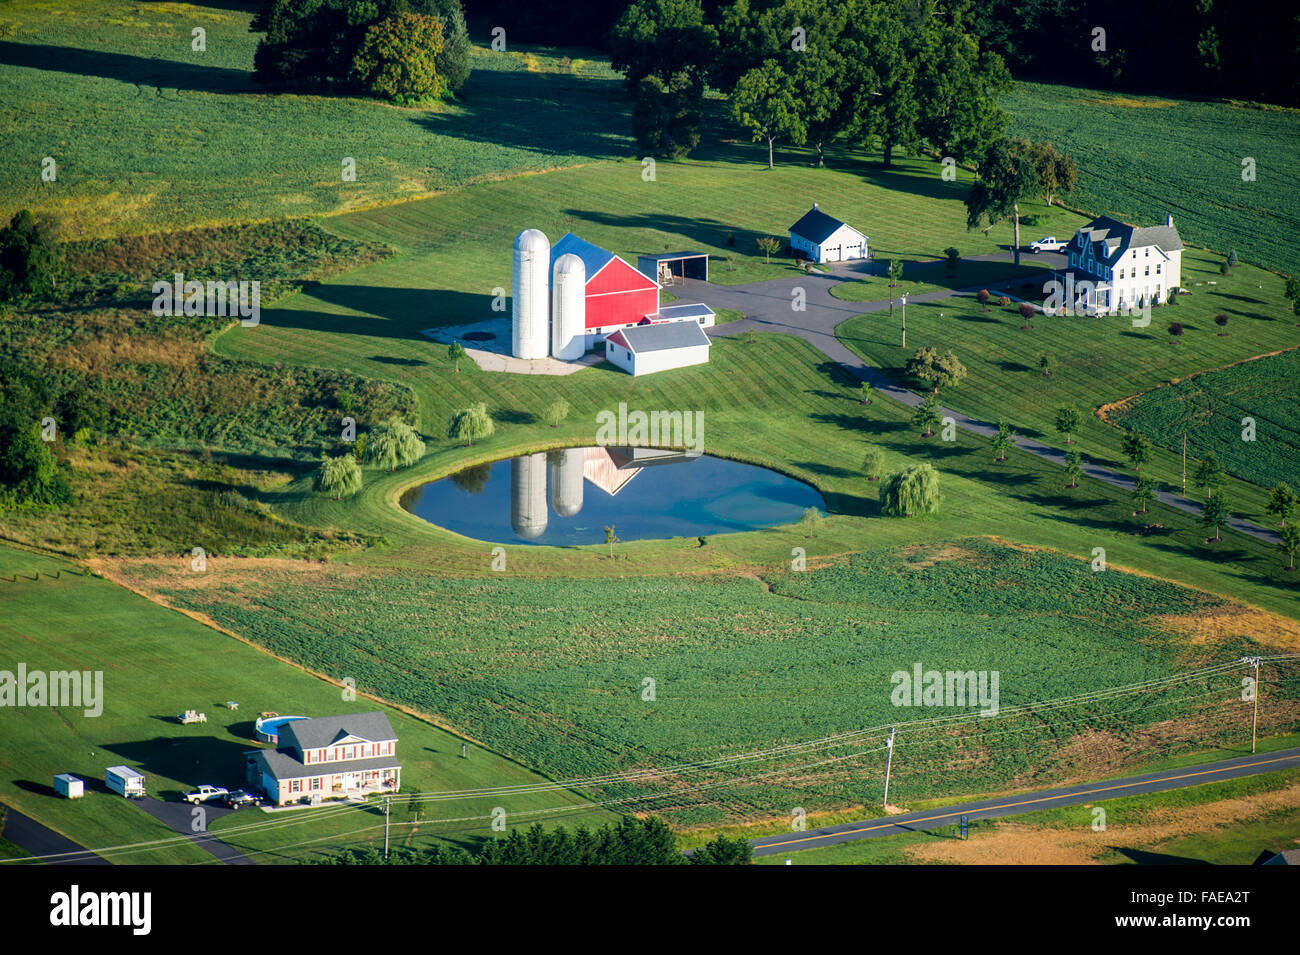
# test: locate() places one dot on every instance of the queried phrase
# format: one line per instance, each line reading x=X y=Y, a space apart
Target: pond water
x=568 y=497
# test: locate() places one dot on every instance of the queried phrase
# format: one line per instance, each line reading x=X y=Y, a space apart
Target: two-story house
x=328 y=758
x=1114 y=265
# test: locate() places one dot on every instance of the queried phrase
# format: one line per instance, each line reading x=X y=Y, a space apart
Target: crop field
x=1096 y=361
x=113 y=92
x=1142 y=157
x=1209 y=409
x=555 y=670
x=157 y=663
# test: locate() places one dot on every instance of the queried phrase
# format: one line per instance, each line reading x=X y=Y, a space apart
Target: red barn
x=617 y=294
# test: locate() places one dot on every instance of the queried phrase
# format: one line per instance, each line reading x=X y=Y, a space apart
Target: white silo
x=567 y=481
x=531 y=300
x=528 y=495
x=569 y=308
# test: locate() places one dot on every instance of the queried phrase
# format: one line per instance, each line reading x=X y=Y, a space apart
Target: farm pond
x=570 y=496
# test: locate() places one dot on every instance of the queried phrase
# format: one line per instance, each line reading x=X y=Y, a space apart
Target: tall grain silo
x=569 y=308
x=528 y=513
x=567 y=481
x=531 y=300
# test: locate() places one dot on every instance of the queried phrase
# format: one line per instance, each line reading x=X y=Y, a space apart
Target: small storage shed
x=125 y=781
x=69 y=786
x=644 y=349
x=822 y=238
x=670 y=267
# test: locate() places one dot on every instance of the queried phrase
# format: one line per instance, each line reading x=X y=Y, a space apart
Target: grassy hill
x=1143 y=157
x=136 y=119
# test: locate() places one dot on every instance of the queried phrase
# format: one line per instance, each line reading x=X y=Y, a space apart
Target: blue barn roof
x=594 y=258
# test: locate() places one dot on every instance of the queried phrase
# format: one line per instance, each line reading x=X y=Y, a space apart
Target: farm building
x=822 y=238
x=671 y=267
x=644 y=349
x=572 y=296
x=1115 y=265
x=329 y=757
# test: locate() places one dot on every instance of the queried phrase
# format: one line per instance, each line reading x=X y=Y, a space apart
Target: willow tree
x=911 y=492
x=338 y=477
x=393 y=444
x=466 y=424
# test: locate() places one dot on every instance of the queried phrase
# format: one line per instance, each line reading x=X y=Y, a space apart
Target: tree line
x=630 y=841
x=1249 y=49
x=893 y=71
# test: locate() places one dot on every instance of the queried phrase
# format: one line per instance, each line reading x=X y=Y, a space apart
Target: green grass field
x=156 y=663
x=1142 y=157
x=550 y=670
x=1097 y=361
x=1210 y=409
x=113 y=92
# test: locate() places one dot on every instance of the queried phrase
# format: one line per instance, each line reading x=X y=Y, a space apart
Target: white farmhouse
x=1114 y=265
x=822 y=238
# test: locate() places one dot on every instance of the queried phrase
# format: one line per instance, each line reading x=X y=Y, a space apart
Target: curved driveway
x=767 y=307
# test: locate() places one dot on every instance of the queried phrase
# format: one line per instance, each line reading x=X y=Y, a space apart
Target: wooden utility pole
x=1184 y=464
x=388 y=800
x=889 y=762
x=1254 y=720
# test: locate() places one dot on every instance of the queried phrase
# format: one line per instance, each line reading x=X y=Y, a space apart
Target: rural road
x=929 y=819
x=767 y=308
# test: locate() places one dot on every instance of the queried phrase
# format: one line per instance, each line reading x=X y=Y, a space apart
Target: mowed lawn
x=151 y=135
x=1143 y=157
x=456 y=249
x=157 y=663
x=1097 y=361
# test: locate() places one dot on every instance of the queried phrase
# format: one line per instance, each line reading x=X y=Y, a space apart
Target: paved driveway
x=767 y=307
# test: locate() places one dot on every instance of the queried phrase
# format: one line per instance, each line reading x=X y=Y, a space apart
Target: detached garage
x=644 y=349
x=822 y=238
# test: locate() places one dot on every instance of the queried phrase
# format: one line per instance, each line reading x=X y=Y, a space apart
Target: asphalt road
x=29 y=835
x=928 y=819
x=767 y=307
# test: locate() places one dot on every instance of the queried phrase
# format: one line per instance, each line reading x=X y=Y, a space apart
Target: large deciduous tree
x=764 y=103
x=1006 y=178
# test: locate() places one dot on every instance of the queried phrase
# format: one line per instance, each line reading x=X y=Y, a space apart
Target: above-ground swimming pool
x=268 y=729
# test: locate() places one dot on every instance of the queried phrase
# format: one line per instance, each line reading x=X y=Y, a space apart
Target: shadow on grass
x=127 y=68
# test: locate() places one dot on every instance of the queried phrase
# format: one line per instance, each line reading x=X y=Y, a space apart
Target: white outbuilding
x=69 y=786
x=643 y=349
x=822 y=238
x=125 y=781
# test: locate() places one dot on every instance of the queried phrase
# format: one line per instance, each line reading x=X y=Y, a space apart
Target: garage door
x=853 y=251
x=831 y=253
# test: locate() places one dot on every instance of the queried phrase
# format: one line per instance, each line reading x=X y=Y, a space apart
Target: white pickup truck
x=1049 y=244
x=204 y=793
